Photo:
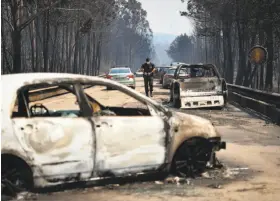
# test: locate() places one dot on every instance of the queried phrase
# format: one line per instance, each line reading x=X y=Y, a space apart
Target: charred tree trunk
x=269 y=69
x=46 y=33
x=76 y=44
x=227 y=46
x=16 y=40
x=241 y=54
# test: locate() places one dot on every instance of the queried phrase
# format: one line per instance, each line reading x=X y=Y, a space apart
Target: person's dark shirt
x=148 y=68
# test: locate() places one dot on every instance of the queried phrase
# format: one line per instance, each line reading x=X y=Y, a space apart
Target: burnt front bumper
x=217 y=144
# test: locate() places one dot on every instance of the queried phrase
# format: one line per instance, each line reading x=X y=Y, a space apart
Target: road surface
x=252 y=161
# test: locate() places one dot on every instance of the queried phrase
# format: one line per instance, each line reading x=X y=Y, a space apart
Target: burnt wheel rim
x=191 y=159
x=12 y=180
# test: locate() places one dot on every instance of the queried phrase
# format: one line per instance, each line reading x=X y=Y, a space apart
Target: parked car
x=42 y=147
x=175 y=64
x=122 y=75
x=167 y=78
x=139 y=73
x=160 y=71
x=202 y=87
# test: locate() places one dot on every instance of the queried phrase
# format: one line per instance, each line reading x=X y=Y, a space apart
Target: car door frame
x=174 y=80
x=54 y=172
x=101 y=172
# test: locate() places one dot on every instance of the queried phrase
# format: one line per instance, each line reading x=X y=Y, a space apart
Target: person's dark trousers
x=148 y=81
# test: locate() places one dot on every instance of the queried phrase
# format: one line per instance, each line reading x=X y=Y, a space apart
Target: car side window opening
x=114 y=102
x=40 y=101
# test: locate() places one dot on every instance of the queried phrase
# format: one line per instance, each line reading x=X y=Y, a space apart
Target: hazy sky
x=164 y=16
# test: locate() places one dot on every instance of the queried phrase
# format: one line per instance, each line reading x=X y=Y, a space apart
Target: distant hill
x=163 y=38
x=162 y=42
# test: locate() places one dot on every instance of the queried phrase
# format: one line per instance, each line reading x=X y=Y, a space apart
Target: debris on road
x=205 y=175
x=111 y=186
x=159 y=182
x=177 y=180
x=215 y=186
x=26 y=196
x=97 y=187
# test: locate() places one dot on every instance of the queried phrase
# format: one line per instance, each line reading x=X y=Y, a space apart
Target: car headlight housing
x=218 y=88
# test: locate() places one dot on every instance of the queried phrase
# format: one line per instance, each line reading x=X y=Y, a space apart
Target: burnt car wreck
x=203 y=87
x=41 y=147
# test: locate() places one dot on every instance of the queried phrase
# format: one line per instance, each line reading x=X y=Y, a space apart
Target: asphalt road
x=252 y=162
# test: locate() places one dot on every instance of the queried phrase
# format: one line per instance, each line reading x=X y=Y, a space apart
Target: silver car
x=122 y=75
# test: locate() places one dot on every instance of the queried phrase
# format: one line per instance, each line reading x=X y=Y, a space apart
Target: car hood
x=192 y=126
x=200 y=84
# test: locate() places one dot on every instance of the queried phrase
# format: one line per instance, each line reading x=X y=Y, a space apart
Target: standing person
x=148 y=69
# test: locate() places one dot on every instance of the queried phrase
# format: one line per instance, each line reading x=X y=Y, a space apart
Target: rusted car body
x=203 y=88
x=48 y=148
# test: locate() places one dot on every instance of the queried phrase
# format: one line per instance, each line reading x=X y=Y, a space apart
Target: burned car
x=204 y=87
x=46 y=143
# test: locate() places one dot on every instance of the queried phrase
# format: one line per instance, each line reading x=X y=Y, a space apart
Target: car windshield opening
x=199 y=71
x=171 y=71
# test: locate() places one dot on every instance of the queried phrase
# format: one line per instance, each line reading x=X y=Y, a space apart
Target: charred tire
x=171 y=94
x=16 y=176
x=176 y=102
x=224 y=106
x=191 y=157
x=176 y=97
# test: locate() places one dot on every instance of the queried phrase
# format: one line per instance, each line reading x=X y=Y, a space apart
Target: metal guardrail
x=268 y=104
x=271 y=98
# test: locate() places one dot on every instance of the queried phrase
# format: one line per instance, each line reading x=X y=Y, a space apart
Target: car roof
x=23 y=78
x=10 y=84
